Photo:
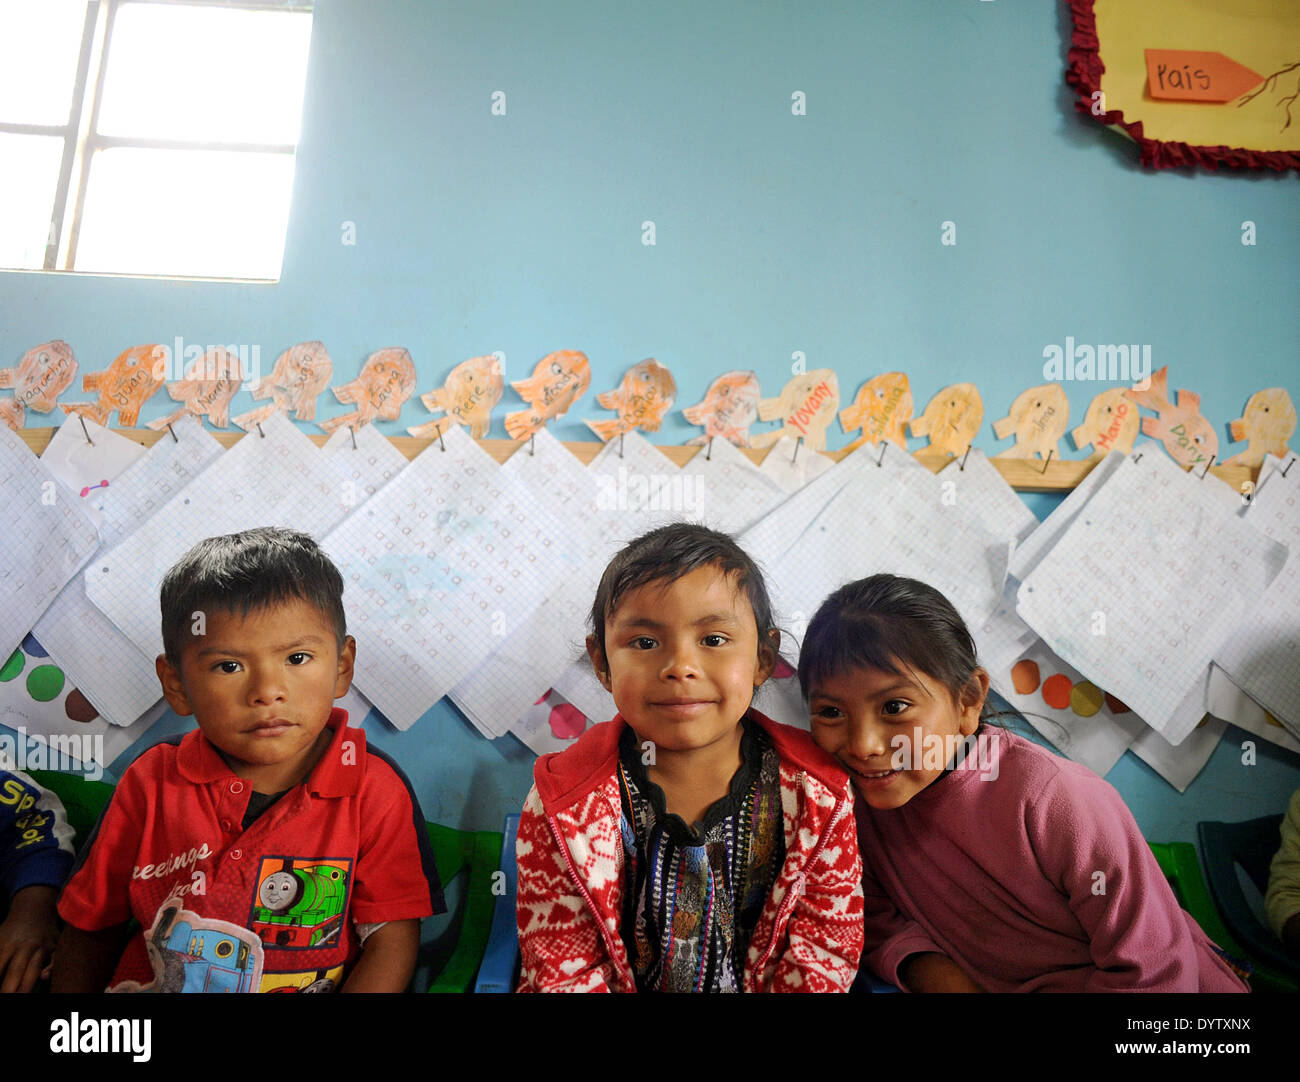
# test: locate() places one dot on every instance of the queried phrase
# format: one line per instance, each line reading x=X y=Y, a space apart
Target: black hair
x=884 y=622
x=670 y=552
x=245 y=571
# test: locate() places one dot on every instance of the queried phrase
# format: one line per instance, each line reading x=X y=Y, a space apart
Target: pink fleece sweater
x=1036 y=879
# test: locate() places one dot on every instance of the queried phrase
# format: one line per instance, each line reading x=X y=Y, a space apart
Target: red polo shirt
x=271 y=907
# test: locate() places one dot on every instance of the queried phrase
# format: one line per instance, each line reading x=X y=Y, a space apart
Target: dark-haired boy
x=270 y=850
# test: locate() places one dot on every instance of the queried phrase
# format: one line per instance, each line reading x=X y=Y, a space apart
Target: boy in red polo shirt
x=270 y=850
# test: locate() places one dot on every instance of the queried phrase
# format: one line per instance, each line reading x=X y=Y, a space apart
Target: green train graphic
x=301 y=907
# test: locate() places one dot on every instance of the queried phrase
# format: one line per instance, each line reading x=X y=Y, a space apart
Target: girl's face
x=682 y=659
x=895 y=733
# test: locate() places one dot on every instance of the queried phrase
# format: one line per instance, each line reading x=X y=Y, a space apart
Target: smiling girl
x=990 y=863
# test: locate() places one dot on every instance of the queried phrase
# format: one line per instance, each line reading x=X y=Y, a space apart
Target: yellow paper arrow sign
x=1190 y=75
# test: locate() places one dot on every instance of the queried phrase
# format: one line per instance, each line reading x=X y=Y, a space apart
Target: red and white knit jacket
x=571 y=874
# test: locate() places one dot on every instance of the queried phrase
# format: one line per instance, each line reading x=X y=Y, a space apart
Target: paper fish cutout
x=806 y=404
x=558 y=381
x=951 y=420
x=381 y=388
x=1188 y=437
x=881 y=409
x=647 y=392
x=301 y=372
x=1038 y=418
x=1268 y=423
x=467 y=398
x=125 y=385
x=210 y=382
x=44 y=373
x=729 y=407
x=1111 y=423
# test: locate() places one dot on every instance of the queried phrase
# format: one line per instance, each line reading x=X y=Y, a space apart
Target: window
x=149 y=136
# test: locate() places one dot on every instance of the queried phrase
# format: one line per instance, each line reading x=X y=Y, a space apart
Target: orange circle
x=1024 y=676
x=1085 y=699
x=1056 y=691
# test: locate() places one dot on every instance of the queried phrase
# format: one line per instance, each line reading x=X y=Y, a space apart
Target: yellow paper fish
x=467 y=397
x=951 y=420
x=384 y=383
x=729 y=407
x=558 y=381
x=1039 y=418
x=1111 y=423
x=882 y=407
x=210 y=382
x=1188 y=437
x=641 y=400
x=44 y=373
x=806 y=404
x=1268 y=423
x=134 y=375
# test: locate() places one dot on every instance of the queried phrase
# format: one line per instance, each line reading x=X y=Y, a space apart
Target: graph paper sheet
x=1179 y=765
x=115 y=676
x=1229 y=703
x=360 y=471
x=978 y=481
x=1067 y=709
x=1146 y=584
x=886 y=517
x=273 y=479
x=1262 y=654
x=499 y=695
x=443 y=562
x=47 y=540
x=731 y=492
x=792 y=465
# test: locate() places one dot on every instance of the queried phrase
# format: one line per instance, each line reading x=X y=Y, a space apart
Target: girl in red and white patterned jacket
x=690 y=844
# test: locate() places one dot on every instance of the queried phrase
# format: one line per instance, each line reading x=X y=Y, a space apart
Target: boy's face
x=261 y=688
x=682 y=659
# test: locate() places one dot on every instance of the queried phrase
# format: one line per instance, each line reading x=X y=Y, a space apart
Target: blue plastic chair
x=498 y=972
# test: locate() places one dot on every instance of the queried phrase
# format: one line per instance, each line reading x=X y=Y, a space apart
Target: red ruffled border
x=1084 y=73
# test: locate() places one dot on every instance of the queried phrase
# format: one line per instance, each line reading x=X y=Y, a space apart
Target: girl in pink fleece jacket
x=990 y=863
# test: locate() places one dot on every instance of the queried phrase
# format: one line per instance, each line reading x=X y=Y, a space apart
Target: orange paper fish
x=124 y=386
x=1188 y=437
x=1268 y=423
x=558 y=381
x=806 y=404
x=210 y=382
x=472 y=389
x=1039 y=418
x=44 y=373
x=647 y=392
x=881 y=409
x=385 y=382
x=951 y=420
x=1111 y=423
x=301 y=372
x=730 y=406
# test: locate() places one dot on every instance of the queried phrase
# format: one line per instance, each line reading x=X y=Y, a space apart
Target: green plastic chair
x=477 y=853
x=1181 y=867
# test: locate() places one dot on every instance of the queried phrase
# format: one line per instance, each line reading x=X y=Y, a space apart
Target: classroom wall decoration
x=951 y=419
x=44 y=373
x=1203 y=83
x=1266 y=425
x=806 y=406
x=558 y=381
x=646 y=393
x=880 y=410
x=300 y=374
x=210 y=382
x=728 y=408
x=1038 y=419
x=123 y=386
x=1188 y=437
x=467 y=397
x=1111 y=423
x=385 y=382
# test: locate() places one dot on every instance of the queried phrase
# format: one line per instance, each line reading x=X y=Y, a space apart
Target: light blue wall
x=775 y=233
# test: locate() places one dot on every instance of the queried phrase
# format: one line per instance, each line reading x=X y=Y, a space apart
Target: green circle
x=12 y=667
x=45 y=682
